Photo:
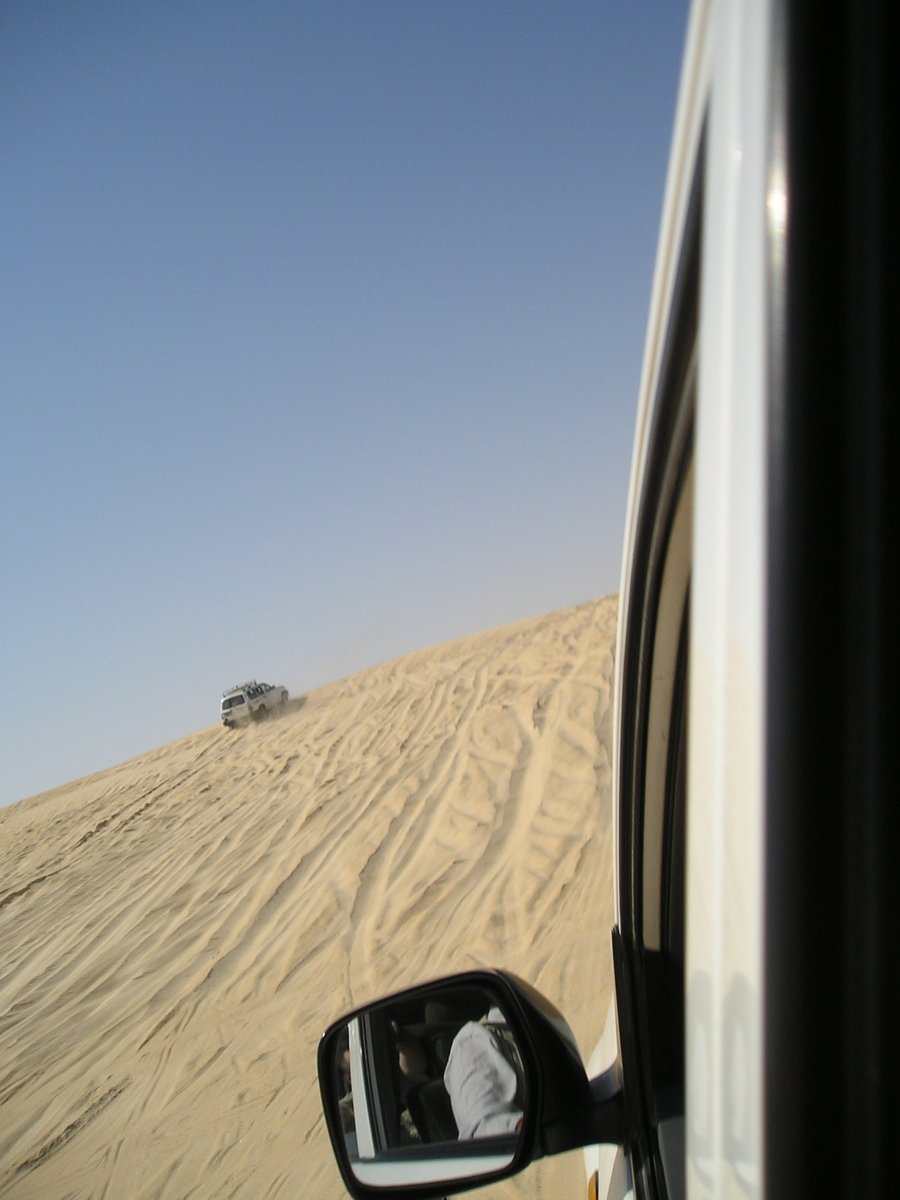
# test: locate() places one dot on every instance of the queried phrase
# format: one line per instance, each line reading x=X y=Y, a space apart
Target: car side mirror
x=456 y=1083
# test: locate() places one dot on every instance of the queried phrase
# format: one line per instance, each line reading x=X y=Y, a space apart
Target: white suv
x=251 y=701
x=751 y=1051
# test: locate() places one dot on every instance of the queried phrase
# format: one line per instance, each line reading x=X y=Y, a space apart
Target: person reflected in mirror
x=345 y=1094
x=483 y=1077
x=413 y=1064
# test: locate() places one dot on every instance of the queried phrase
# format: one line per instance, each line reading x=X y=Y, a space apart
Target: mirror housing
x=456 y=1083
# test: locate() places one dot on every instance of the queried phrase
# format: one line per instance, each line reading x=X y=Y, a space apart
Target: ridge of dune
x=177 y=931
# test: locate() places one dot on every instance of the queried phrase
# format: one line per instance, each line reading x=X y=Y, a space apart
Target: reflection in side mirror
x=429 y=1087
x=455 y=1083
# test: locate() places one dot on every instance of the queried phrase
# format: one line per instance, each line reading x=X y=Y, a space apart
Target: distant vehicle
x=748 y=1051
x=251 y=701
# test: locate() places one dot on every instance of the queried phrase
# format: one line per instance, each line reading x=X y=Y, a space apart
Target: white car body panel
x=727 y=737
x=723 y=83
x=607 y=1165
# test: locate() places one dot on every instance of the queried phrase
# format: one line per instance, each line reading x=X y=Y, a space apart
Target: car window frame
x=652 y=749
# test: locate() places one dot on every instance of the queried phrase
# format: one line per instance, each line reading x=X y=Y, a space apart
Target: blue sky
x=320 y=340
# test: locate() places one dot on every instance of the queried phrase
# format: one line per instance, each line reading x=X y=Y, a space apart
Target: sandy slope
x=176 y=932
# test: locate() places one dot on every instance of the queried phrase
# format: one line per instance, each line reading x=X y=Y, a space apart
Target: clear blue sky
x=320 y=337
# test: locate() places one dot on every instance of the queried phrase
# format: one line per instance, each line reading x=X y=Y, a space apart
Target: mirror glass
x=428 y=1087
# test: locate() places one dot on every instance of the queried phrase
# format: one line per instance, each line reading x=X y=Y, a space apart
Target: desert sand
x=177 y=931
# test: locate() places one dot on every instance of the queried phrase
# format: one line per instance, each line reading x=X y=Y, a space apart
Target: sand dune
x=177 y=931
